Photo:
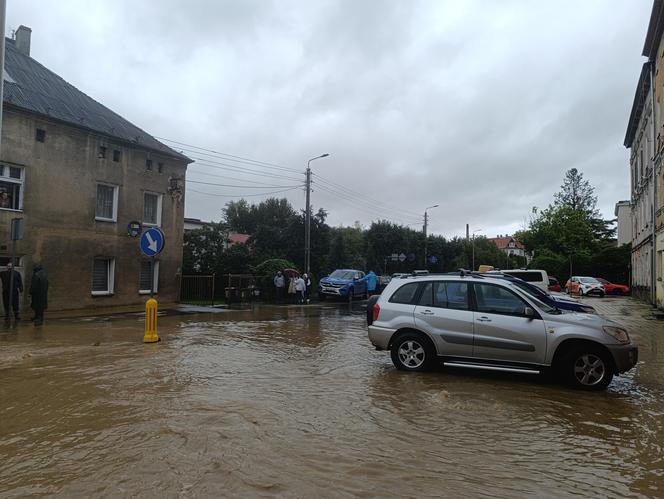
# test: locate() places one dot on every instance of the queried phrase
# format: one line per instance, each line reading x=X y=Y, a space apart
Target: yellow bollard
x=151 y=322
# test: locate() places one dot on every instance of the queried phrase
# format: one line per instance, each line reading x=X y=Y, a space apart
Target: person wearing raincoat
x=372 y=281
x=39 y=293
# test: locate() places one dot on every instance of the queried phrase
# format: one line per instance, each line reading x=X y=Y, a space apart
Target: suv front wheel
x=587 y=368
x=413 y=352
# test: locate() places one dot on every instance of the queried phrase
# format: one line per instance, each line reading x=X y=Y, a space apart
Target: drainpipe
x=653 y=257
x=3 y=9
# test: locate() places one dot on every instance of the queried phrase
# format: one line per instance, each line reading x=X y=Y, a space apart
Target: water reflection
x=294 y=401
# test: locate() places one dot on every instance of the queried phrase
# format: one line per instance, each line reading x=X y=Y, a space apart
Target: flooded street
x=294 y=402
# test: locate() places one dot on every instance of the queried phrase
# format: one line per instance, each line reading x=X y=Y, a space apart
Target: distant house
x=194 y=224
x=510 y=246
x=232 y=237
x=77 y=174
x=237 y=238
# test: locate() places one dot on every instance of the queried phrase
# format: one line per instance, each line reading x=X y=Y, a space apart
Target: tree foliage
x=577 y=193
x=570 y=236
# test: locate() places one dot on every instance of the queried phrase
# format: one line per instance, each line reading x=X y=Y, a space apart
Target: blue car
x=343 y=283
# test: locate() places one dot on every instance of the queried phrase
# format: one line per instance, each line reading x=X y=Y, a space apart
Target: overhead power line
x=225 y=166
x=226 y=155
x=244 y=186
x=364 y=196
x=242 y=195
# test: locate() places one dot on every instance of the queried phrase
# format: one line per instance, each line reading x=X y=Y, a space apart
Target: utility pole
x=426 y=222
x=307 y=222
x=425 y=238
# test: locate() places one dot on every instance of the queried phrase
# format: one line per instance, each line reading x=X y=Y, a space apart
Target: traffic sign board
x=152 y=241
x=402 y=257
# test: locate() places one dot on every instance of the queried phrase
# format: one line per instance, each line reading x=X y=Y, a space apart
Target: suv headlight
x=618 y=333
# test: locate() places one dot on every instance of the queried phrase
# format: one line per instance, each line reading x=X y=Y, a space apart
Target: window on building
x=145 y=274
x=40 y=135
x=117 y=155
x=107 y=203
x=160 y=167
x=148 y=165
x=152 y=202
x=11 y=187
x=103 y=276
x=102 y=152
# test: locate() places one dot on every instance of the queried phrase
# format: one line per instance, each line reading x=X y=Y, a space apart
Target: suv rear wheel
x=587 y=368
x=413 y=352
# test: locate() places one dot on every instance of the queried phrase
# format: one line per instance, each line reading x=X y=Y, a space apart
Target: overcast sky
x=477 y=106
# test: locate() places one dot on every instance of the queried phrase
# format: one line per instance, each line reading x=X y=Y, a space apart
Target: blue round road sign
x=152 y=241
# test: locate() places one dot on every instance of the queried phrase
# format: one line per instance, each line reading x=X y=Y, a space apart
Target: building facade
x=77 y=174
x=639 y=139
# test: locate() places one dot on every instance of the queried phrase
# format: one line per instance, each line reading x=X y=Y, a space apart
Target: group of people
x=12 y=286
x=297 y=287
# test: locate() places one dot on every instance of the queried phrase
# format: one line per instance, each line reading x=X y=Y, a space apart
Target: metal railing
x=197 y=289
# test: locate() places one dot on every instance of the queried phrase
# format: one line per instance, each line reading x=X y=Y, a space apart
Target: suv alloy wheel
x=586 y=368
x=413 y=352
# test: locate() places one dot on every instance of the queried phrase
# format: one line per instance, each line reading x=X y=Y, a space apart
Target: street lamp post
x=473 y=244
x=426 y=221
x=307 y=223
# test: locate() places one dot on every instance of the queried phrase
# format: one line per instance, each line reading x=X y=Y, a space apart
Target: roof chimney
x=22 y=39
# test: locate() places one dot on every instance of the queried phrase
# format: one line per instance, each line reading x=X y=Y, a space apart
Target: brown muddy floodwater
x=294 y=402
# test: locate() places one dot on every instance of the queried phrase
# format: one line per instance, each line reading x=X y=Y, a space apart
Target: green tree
x=203 y=249
x=577 y=193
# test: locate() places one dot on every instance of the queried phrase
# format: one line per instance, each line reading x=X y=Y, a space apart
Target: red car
x=613 y=289
x=554 y=285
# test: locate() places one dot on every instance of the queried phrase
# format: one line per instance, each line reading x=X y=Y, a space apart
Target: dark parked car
x=561 y=303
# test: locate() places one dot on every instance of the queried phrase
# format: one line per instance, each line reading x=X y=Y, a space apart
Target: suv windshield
x=343 y=274
x=540 y=304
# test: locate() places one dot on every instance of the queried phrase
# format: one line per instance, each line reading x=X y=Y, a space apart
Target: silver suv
x=479 y=322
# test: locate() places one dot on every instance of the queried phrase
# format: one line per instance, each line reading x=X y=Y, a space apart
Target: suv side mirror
x=529 y=312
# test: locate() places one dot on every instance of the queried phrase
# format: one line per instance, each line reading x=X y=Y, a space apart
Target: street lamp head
x=324 y=155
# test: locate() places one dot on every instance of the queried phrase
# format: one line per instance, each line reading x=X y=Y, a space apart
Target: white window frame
x=4 y=177
x=116 y=189
x=160 y=202
x=110 y=278
x=155 y=281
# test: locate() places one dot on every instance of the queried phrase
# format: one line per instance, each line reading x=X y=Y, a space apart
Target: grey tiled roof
x=30 y=86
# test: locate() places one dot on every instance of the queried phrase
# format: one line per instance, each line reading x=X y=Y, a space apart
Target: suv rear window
x=405 y=294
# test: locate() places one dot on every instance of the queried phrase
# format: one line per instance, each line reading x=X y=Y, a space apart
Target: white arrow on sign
x=152 y=244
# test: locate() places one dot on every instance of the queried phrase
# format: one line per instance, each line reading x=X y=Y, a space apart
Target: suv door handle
x=426 y=312
x=483 y=319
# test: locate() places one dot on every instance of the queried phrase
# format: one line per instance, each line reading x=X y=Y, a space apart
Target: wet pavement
x=294 y=402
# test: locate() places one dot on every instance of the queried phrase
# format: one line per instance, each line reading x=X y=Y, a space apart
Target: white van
x=537 y=277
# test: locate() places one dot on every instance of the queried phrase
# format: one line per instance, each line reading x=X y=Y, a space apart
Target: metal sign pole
x=152 y=278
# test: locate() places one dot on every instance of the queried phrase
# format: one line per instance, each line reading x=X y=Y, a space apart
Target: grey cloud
x=477 y=106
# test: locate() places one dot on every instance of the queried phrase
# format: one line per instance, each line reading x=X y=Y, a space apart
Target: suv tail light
x=376 y=311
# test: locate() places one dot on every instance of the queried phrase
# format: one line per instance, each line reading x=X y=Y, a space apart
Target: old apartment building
x=78 y=174
x=639 y=139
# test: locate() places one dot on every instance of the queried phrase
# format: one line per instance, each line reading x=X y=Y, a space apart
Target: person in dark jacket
x=39 y=293
x=16 y=286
